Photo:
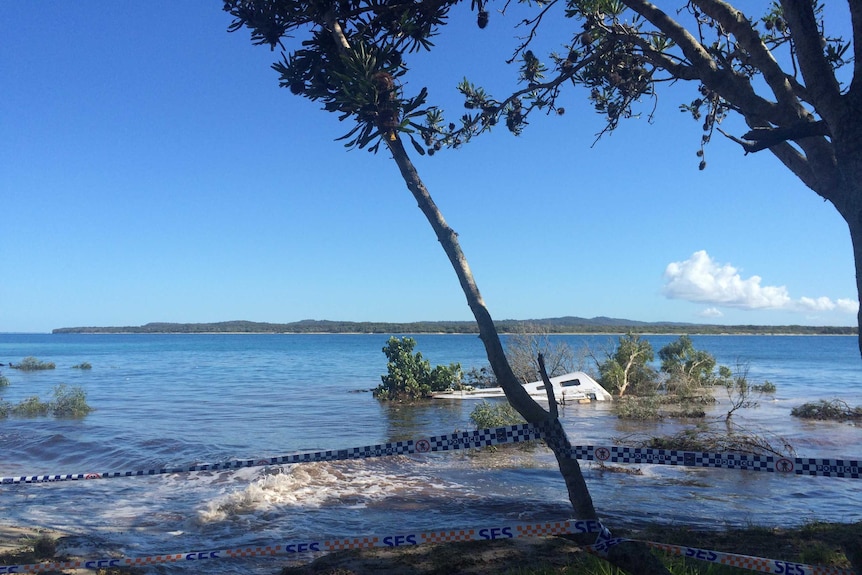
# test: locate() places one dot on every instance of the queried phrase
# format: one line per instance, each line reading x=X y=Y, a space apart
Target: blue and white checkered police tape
x=439 y=443
x=393 y=540
x=501 y=531
x=846 y=468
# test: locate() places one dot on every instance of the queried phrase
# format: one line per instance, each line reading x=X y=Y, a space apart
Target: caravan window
x=571 y=382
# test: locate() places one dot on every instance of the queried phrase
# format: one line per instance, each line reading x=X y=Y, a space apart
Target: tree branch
x=734 y=22
x=819 y=77
x=676 y=67
x=337 y=32
x=788 y=155
x=549 y=389
x=735 y=89
x=759 y=139
x=535 y=25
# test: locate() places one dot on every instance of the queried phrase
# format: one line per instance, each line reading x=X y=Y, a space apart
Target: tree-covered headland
x=562 y=325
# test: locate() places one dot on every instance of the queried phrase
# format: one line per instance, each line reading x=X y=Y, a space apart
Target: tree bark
x=631 y=557
x=853 y=216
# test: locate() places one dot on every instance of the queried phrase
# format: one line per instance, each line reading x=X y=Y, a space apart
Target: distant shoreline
x=554 y=326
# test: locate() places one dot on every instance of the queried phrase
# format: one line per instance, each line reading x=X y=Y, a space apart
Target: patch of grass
x=31 y=363
x=822 y=544
x=834 y=410
x=817 y=544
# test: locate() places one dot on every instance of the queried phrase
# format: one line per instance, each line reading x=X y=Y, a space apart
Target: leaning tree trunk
x=631 y=557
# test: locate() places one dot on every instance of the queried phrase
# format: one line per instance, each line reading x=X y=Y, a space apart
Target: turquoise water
x=176 y=400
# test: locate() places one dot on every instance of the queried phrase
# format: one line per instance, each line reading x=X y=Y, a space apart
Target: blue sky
x=151 y=169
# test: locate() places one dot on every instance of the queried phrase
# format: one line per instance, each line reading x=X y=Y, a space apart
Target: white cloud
x=847 y=305
x=711 y=312
x=702 y=279
x=819 y=304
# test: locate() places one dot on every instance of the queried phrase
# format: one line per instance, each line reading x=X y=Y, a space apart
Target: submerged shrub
x=716 y=437
x=4 y=381
x=32 y=407
x=766 y=387
x=31 y=363
x=480 y=377
x=642 y=408
x=410 y=376
x=835 y=410
x=487 y=415
x=626 y=369
x=83 y=365
x=70 y=402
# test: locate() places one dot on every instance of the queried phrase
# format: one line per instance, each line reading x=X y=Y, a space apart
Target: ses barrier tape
x=505 y=531
x=730 y=559
x=846 y=468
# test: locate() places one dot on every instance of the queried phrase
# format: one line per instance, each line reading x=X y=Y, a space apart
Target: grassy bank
x=824 y=544
x=815 y=544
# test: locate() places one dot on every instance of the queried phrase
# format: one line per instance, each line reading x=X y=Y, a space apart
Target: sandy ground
x=13 y=539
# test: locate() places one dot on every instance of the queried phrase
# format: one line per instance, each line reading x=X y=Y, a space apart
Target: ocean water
x=178 y=400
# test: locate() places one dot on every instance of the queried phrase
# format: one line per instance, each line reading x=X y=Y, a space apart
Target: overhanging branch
x=734 y=88
x=759 y=139
x=735 y=23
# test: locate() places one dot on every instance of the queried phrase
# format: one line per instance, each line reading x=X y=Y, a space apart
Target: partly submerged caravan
x=571 y=387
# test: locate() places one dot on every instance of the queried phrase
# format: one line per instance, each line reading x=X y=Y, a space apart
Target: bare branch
x=535 y=22
x=549 y=389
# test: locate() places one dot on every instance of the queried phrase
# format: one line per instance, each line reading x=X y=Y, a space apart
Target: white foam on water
x=352 y=485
